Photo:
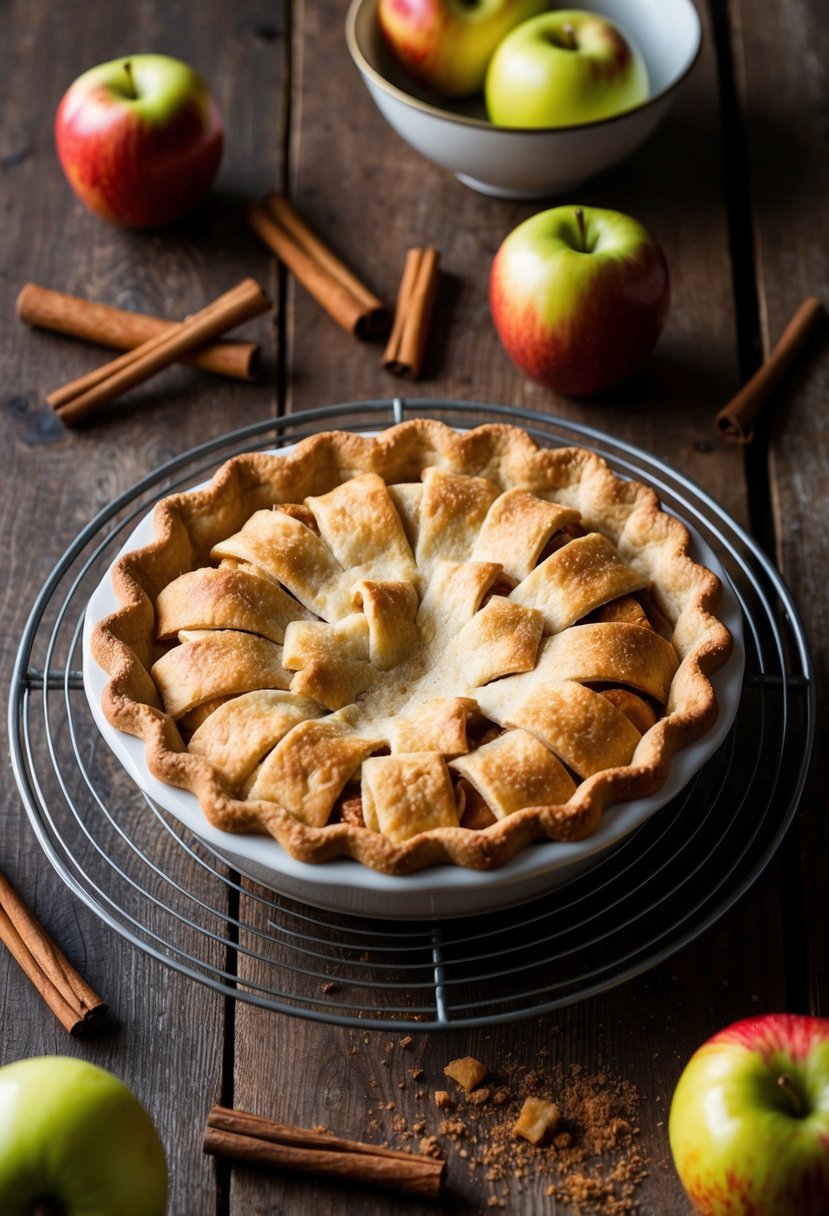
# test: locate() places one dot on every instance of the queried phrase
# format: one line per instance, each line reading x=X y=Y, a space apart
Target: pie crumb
x=468 y=1072
x=537 y=1121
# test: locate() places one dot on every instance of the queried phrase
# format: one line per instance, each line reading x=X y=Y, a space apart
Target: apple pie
x=420 y=648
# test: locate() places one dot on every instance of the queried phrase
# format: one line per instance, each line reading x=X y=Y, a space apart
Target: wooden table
x=735 y=186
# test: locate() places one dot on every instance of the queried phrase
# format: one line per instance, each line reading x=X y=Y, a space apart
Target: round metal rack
x=165 y=891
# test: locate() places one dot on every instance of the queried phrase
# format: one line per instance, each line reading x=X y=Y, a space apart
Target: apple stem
x=133 y=91
x=792 y=1093
x=569 y=37
x=582 y=230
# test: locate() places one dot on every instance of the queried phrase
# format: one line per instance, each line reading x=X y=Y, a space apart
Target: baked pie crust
x=420 y=648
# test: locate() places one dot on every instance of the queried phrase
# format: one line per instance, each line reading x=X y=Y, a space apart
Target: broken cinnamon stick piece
x=74 y=401
x=335 y=288
x=259 y=1141
x=65 y=991
x=406 y=347
x=735 y=422
x=124 y=330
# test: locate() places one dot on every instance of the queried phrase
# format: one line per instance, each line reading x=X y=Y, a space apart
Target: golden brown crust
x=362 y=537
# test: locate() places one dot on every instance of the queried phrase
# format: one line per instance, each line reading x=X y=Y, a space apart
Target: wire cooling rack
x=165 y=891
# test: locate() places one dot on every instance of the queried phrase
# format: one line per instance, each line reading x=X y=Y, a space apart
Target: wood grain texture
x=371 y=198
x=298 y=118
x=787 y=147
x=165 y=1034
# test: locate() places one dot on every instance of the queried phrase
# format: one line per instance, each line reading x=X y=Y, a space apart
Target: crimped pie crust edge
x=187 y=524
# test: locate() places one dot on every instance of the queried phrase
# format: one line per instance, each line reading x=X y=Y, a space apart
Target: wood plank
x=789 y=182
x=165 y=1037
x=388 y=198
x=370 y=197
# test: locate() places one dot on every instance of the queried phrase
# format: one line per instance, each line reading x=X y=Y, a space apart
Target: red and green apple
x=446 y=44
x=563 y=68
x=749 y=1122
x=139 y=139
x=75 y=1141
x=579 y=297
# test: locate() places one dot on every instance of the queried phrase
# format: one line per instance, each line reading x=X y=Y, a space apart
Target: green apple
x=74 y=1141
x=561 y=69
x=579 y=297
x=749 y=1122
x=446 y=44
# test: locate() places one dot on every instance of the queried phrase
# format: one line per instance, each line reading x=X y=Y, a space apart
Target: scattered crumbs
x=389 y=1106
x=420 y=1127
x=329 y=986
x=468 y=1072
x=443 y=1100
x=430 y=1147
x=479 y=1097
x=416 y=1074
x=401 y=1084
x=385 y=1063
x=320 y=1129
x=406 y=1042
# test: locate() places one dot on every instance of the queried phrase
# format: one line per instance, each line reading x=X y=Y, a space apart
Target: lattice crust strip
x=420 y=648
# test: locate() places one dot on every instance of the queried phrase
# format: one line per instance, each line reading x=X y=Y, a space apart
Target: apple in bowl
x=749 y=1121
x=446 y=45
x=562 y=69
x=139 y=139
x=75 y=1141
x=579 y=298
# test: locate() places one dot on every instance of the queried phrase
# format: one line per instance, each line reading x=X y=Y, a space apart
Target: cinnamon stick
x=336 y=288
x=65 y=992
x=416 y=296
x=124 y=330
x=259 y=1141
x=735 y=421
x=76 y=400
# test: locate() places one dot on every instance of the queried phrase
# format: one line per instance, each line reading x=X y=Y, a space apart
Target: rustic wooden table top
x=735 y=187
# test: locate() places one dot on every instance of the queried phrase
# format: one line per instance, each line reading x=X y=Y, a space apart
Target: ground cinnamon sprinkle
x=594 y=1164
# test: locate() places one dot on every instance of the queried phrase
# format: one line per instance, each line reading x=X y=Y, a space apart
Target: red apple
x=447 y=44
x=749 y=1123
x=139 y=139
x=579 y=297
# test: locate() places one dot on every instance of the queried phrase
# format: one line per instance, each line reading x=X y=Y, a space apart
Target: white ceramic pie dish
x=530 y=163
x=442 y=891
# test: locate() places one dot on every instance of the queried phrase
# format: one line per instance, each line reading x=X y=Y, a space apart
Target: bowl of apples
x=518 y=99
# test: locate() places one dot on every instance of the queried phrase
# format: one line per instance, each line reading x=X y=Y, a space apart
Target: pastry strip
x=615 y=653
x=331 y=661
x=514 y=771
x=362 y=529
x=405 y=795
x=240 y=732
x=582 y=727
x=215 y=665
x=294 y=555
x=516 y=529
x=306 y=771
x=452 y=510
x=500 y=639
x=576 y=579
x=225 y=599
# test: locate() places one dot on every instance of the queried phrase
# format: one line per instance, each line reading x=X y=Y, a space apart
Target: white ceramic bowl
x=530 y=163
x=442 y=891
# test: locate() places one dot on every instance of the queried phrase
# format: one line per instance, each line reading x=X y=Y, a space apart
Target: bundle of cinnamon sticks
x=81 y=397
x=65 y=992
x=252 y=1139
